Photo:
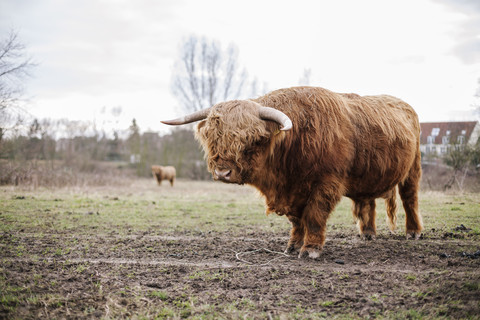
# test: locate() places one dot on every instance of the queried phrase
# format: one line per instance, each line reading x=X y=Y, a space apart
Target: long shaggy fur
x=340 y=145
x=233 y=128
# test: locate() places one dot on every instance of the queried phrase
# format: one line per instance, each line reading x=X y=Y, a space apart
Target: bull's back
x=171 y=170
x=168 y=173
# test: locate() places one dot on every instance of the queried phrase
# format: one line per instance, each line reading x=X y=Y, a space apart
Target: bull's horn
x=267 y=113
x=193 y=117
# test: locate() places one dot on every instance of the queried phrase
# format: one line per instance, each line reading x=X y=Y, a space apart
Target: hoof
x=290 y=249
x=368 y=233
x=293 y=247
x=310 y=253
x=368 y=236
x=414 y=235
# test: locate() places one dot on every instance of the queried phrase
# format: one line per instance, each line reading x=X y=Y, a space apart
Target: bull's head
x=235 y=135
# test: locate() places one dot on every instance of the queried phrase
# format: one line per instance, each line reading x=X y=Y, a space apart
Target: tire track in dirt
x=227 y=237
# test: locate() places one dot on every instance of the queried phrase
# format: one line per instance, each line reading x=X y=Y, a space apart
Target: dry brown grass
x=439 y=178
x=56 y=174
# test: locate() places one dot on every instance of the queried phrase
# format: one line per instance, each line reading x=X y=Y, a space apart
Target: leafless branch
x=14 y=66
x=205 y=74
x=13 y=61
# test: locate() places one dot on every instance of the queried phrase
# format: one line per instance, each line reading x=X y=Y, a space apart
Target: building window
x=430 y=139
x=435 y=132
x=445 y=140
x=461 y=139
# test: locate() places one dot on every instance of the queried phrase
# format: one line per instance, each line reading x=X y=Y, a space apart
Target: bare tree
x=14 y=67
x=205 y=74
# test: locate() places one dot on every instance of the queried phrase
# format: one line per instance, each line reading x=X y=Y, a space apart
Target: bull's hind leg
x=408 y=191
x=296 y=235
x=364 y=212
x=391 y=205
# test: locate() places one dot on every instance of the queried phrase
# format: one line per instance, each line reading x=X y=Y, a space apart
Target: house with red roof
x=437 y=138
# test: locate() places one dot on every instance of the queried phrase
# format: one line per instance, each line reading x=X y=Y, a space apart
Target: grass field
x=207 y=250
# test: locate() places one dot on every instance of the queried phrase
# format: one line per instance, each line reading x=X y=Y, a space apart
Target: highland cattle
x=164 y=173
x=304 y=148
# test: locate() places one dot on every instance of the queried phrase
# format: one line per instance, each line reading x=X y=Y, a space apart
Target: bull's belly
x=368 y=187
x=369 y=195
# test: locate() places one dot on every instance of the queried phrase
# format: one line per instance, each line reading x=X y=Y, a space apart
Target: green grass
x=210 y=207
x=196 y=207
x=159 y=294
x=411 y=277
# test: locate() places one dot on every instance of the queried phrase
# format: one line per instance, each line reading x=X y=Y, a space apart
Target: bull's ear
x=273 y=128
x=201 y=124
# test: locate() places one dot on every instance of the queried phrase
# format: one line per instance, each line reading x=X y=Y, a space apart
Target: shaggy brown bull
x=164 y=173
x=304 y=148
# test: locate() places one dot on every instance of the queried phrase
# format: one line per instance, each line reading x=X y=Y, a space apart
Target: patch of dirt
x=231 y=276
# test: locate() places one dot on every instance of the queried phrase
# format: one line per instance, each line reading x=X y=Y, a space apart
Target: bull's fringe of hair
x=229 y=142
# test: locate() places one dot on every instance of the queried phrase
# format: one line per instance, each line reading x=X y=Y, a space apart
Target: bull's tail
x=391 y=205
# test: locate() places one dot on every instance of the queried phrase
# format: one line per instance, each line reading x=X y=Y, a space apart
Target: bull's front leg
x=296 y=235
x=314 y=220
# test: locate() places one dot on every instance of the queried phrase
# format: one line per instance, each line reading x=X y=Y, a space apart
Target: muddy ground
x=241 y=275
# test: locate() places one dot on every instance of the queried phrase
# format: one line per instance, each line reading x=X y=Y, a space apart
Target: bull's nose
x=223 y=174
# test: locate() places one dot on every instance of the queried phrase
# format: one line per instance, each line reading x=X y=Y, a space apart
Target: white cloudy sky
x=96 y=55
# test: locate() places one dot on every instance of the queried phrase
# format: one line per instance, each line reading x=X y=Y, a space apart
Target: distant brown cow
x=304 y=148
x=164 y=173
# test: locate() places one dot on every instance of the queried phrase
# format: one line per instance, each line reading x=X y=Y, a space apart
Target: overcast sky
x=97 y=55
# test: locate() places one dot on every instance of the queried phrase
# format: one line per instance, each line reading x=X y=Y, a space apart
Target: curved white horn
x=196 y=116
x=267 y=113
